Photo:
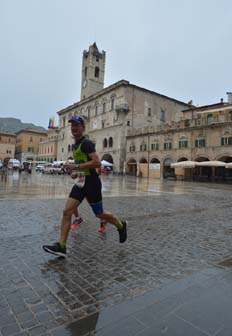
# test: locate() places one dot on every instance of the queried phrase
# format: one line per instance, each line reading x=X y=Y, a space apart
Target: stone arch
x=182 y=158
x=167 y=161
x=181 y=172
x=222 y=173
x=224 y=157
x=108 y=158
x=154 y=168
x=168 y=172
x=155 y=160
x=202 y=173
x=143 y=160
x=131 y=167
x=143 y=167
x=201 y=158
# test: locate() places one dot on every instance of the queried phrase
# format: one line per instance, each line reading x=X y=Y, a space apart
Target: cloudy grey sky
x=180 y=48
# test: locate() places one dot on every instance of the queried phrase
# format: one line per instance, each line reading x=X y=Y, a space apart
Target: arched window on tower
x=86 y=71
x=105 y=143
x=110 y=142
x=96 y=74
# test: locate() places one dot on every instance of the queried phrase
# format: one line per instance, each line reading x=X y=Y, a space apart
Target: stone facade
x=7 y=145
x=27 y=144
x=48 y=147
x=142 y=132
x=203 y=133
x=114 y=111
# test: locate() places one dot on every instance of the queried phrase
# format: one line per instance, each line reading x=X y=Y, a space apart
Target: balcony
x=124 y=107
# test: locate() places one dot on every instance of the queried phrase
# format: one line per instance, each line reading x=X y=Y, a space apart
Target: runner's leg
x=70 y=206
x=59 y=248
x=106 y=215
x=75 y=213
x=76 y=196
x=109 y=217
x=94 y=197
x=77 y=220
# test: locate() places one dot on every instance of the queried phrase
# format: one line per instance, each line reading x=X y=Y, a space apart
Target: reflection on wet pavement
x=178 y=230
x=38 y=186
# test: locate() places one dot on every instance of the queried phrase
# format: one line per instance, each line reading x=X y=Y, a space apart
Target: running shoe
x=123 y=232
x=76 y=222
x=102 y=226
x=55 y=249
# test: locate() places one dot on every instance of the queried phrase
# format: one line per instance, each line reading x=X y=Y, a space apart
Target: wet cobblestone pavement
x=175 y=230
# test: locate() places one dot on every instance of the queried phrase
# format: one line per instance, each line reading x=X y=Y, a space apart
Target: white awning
x=106 y=163
x=184 y=164
x=211 y=164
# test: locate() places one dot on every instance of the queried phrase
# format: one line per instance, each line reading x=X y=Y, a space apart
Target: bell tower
x=93 y=71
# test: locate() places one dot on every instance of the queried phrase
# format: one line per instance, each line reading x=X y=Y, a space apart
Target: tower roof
x=94 y=45
x=93 y=50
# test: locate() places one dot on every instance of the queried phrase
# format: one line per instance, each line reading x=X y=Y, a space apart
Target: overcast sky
x=180 y=48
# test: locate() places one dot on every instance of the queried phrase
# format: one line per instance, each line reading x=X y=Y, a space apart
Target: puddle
x=226 y=262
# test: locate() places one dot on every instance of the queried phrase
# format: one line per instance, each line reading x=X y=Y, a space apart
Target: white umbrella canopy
x=183 y=164
x=229 y=165
x=211 y=164
x=58 y=163
x=106 y=163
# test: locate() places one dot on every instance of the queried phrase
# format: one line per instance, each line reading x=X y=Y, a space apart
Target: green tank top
x=80 y=157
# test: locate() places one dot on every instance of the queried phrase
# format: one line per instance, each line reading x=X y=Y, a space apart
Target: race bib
x=80 y=180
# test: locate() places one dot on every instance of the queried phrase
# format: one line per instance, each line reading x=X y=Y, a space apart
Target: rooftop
x=112 y=87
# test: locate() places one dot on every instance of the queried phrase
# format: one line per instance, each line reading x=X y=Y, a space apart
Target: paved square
x=176 y=229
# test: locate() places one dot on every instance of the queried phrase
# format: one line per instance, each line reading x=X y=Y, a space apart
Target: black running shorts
x=91 y=190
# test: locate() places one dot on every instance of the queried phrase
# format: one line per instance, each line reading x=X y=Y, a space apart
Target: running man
x=88 y=185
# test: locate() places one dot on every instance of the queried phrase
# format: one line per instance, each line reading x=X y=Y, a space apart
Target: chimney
x=229 y=95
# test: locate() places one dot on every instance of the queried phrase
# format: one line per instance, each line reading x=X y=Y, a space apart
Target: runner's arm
x=92 y=164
